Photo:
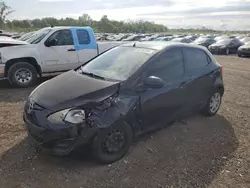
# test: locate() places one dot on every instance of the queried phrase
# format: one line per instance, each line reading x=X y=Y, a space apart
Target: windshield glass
x=118 y=63
x=245 y=40
x=38 y=36
x=223 y=42
x=200 y=40
x=177 y=40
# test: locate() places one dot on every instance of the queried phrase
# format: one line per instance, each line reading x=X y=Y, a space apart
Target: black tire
x=17 y=67
x=98 y=149
x=207 y=111
x=239 y=55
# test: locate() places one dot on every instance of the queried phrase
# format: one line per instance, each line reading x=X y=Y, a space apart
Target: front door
x=60 y=56
x=161 y=105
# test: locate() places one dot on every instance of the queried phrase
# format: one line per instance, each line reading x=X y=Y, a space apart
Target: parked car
x=51 y=49
x=204 y=41
x=169 y=38
x=26 y=36
x=226 y=46
x=245 y=40
x=126 y=91
x=134 y=38
x=244 y=50
x=183 y=40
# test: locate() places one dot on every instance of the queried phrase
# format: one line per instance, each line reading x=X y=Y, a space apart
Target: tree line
x=104 y=25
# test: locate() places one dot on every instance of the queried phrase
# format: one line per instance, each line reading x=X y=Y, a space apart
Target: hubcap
x=215 y=102
x=114 y=142
x=23 y=75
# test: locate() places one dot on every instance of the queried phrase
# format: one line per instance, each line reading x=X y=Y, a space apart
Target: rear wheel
x=22 y=74
x=213 y=104
x=112 y=144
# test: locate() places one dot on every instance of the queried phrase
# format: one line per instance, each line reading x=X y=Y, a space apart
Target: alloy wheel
x=215 y=103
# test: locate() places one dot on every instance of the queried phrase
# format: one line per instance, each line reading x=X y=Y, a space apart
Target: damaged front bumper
x=58 y=142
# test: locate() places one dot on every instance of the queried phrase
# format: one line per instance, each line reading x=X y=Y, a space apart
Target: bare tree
x=5 y=10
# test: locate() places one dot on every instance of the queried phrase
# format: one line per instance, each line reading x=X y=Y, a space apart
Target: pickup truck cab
x=52 y=49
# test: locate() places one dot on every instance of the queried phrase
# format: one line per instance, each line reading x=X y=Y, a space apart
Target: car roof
x=160 y=45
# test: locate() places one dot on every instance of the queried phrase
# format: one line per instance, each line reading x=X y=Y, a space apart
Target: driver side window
x=62 y=38
x=169 y=66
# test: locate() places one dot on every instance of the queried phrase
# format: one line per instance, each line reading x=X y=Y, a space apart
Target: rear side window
x=169 y=66
x=83 y=36
x=194 y=59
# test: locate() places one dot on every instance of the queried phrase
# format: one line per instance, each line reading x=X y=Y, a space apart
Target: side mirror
x=52 y=42
x=154 y=82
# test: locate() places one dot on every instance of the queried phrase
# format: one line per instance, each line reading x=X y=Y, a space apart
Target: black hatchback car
x=127 y=91
x=225 y=46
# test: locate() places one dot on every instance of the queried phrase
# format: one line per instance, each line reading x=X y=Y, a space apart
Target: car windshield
x=245 y=39
x=38 y=36
x=177 y=39
x=118 y=64
x=201 y=40
x=223 y=42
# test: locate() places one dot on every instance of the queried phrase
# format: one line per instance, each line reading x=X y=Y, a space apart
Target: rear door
x=62 y=55
x=198 y=77
x=85 y=44
x=160 y=105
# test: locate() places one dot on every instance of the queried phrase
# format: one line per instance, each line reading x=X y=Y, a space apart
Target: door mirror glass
x=154 y=82
x=51 y=42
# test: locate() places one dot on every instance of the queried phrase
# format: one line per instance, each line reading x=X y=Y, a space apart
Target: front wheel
x=22 y=74
x=213 y=104
x=112 y=144
x=239 y=55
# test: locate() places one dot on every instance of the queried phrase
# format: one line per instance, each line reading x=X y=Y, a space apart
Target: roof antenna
x=134 y=44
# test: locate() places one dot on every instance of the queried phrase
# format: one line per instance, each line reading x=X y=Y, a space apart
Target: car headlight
x=74 y=116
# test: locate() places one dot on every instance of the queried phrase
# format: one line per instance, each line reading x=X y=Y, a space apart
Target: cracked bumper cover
x=58 y=142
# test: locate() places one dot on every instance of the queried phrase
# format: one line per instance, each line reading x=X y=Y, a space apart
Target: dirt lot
x=196 y=152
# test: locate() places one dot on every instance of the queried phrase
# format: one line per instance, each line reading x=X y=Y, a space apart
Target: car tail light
x=221 y=68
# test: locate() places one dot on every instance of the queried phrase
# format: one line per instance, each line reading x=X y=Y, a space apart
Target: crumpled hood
x=72 y=89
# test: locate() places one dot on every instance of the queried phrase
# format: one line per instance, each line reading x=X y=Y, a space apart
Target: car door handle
x=71 y=50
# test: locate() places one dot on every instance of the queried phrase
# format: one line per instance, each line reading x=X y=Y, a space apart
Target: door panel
x=62 y=55
x=199 y=81
x=161 y=105
x=85 y=45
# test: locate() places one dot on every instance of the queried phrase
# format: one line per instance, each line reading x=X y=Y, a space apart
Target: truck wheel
x=112 y=144
x=22 y=74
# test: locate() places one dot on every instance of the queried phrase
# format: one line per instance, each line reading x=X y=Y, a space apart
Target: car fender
x=121 y=110
x=20 y=51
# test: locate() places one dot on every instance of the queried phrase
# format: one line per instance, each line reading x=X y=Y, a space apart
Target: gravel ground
x=195 y=152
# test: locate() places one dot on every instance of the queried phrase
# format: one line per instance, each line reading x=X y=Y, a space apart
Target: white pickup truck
x=52 y=49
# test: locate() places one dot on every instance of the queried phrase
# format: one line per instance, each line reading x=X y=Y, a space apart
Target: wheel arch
x=29 y=60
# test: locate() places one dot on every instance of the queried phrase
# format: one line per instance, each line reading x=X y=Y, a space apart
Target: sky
x=214 y=14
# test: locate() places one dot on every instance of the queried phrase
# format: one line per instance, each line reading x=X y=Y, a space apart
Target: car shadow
x=188 y=153
x=9 y=93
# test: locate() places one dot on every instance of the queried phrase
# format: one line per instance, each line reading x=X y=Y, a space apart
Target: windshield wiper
x=93 y=75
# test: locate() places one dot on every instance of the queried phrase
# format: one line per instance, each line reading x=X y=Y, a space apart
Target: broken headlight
x=74 y=116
